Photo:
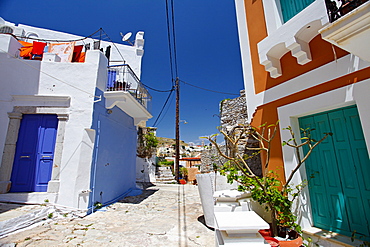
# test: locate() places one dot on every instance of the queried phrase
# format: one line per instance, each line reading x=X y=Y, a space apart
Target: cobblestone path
x=164 y=215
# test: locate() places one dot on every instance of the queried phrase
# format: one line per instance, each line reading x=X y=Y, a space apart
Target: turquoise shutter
x=340 y=191
x=359 y=191
x=290 y=8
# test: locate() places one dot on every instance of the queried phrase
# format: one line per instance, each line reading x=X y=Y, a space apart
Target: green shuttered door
x=340 y=191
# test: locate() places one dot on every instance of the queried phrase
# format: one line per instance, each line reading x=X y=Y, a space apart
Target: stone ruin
x=233 y=113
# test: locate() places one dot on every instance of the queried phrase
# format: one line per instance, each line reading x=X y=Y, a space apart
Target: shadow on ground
x=202 y=220
x=148 y=190
x=6 y=206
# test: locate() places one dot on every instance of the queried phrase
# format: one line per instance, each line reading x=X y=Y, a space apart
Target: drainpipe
x=95 y=161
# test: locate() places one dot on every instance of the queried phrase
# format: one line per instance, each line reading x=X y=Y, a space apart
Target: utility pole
x=177 y=148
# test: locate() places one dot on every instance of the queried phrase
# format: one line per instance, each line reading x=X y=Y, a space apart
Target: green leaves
x=268 y=190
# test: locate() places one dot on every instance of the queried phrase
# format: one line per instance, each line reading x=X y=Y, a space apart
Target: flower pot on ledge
x=294 y=240
x=290 y=243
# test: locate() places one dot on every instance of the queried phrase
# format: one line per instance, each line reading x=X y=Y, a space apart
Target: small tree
x=268 y=190
x=147 y=143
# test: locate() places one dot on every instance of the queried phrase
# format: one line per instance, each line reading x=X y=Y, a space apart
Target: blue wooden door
x=34 y=153
x=340 y=191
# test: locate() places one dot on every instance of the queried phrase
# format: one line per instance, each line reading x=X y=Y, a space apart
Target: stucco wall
x=145 y=169
x=38 y=87
x=114 y=165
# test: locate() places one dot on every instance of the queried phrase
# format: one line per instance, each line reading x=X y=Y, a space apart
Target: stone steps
x=164 y=175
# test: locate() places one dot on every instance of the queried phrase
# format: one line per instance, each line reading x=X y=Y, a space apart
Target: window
x=290 y=8
x=6 y=29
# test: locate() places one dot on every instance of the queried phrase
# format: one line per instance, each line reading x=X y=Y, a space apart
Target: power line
x=169 y=42
x=174 y=74
x=164 y=105
x=207 y=89
x=165 y=113
x=174 y=39
x=158 y=90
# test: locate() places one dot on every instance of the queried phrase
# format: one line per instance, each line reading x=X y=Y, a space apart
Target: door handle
x=46 y=156
x=25 y=157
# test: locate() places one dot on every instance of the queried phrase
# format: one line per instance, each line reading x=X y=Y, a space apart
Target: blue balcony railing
x=123 y=78
x=337 y=9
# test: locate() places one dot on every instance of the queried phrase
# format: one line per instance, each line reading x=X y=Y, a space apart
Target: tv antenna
x=126 y=37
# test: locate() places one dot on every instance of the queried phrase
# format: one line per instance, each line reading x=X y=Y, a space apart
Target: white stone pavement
x=164 y=215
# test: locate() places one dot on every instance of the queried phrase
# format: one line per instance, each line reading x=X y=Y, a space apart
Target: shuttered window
x=340 y=189
x=290 y=8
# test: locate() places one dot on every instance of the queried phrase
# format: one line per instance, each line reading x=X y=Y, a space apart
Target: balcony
x=125 y=91
x=349 y=27
x=293 y=36
x=335 y=12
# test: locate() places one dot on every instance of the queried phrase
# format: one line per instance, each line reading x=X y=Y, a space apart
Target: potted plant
x=268 y=190
x=184 y=173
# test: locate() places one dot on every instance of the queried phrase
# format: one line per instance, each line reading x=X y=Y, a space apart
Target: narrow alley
x=163 y=215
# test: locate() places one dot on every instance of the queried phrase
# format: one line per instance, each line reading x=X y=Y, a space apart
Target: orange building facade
x=307 y=64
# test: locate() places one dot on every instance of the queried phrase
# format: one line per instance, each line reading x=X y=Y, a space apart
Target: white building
x=68 y=130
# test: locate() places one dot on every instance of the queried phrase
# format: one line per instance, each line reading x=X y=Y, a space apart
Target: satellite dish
x=126 y=37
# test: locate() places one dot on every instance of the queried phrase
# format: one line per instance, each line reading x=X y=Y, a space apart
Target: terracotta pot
x=272 y=241
x=265 y=232
x=295 y=242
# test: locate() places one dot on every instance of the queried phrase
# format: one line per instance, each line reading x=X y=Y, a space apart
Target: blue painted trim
x=130 y=192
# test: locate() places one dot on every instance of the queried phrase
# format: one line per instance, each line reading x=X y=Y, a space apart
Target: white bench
x=239 y=229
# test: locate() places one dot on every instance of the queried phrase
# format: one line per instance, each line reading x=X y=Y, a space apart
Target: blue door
x=340 y=191
x=34 y=153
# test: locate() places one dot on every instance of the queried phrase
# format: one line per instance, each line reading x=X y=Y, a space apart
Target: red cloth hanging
x=82 y=57
x=77 y=53
x=38 y=50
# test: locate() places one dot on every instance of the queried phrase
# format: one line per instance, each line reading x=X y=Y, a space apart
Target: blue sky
x=207 y=49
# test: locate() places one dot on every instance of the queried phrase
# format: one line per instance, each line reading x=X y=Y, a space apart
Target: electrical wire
x=165 y=113
x=207 y=89
x=158 y=90
x=174 y=39
x=164 y=105
x=169 y=42
x=172 y=54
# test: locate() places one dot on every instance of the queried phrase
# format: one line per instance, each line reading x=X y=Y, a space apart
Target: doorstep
x=326 y=238
x=29 y=198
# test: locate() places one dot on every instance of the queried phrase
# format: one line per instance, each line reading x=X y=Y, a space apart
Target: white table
x=240 y=228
